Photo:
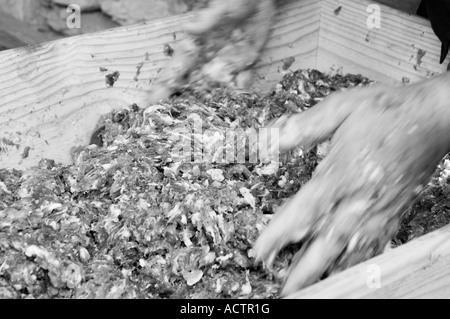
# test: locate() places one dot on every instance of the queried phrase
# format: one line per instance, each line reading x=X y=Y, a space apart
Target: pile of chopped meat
x=132 y=218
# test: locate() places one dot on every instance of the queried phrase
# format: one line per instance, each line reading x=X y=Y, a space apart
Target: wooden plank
x=404 y=47
x=418 y=269
x=52 y=95
x=15 y=33
x=294 y=34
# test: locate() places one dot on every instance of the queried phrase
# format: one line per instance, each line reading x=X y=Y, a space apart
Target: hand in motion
x=386 y=143
x=224 y=41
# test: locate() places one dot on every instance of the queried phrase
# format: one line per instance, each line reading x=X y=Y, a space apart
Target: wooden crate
x=53 y=94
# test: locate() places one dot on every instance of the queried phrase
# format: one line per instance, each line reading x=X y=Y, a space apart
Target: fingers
x=340 y=247
x=341 y=220
x=240 y=9
x=207 y=19
x=242 y=29
x=252 y=18
x=363 y=189
x=269 y=139
x=259 y=29
x=308 y=267
x=290 y=224
x=221 y=13
x=172 y=76
x=245 y=52
x=320 y=122
x=159 y=92
x=353 y=228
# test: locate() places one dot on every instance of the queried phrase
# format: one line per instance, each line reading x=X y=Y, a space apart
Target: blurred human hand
x=224 y=41
x=386 y=143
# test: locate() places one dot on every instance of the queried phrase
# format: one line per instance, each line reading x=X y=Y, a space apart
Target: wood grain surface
x=52 y=95
x=418 y=269
x=404 y=47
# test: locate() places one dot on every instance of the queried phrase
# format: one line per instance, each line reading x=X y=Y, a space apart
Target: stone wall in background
x=50 y=16
x=20 y=9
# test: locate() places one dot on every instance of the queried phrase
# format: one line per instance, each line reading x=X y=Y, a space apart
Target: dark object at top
x=438 y=12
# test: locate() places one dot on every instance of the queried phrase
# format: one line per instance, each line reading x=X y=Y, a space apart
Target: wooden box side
x=295 y=34
x=418 y=269
x=53 y=94
x=404 y=46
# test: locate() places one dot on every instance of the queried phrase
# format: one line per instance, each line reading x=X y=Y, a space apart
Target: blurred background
x=24 y=22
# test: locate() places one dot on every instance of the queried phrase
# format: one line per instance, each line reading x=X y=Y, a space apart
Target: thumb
x=320 y=122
